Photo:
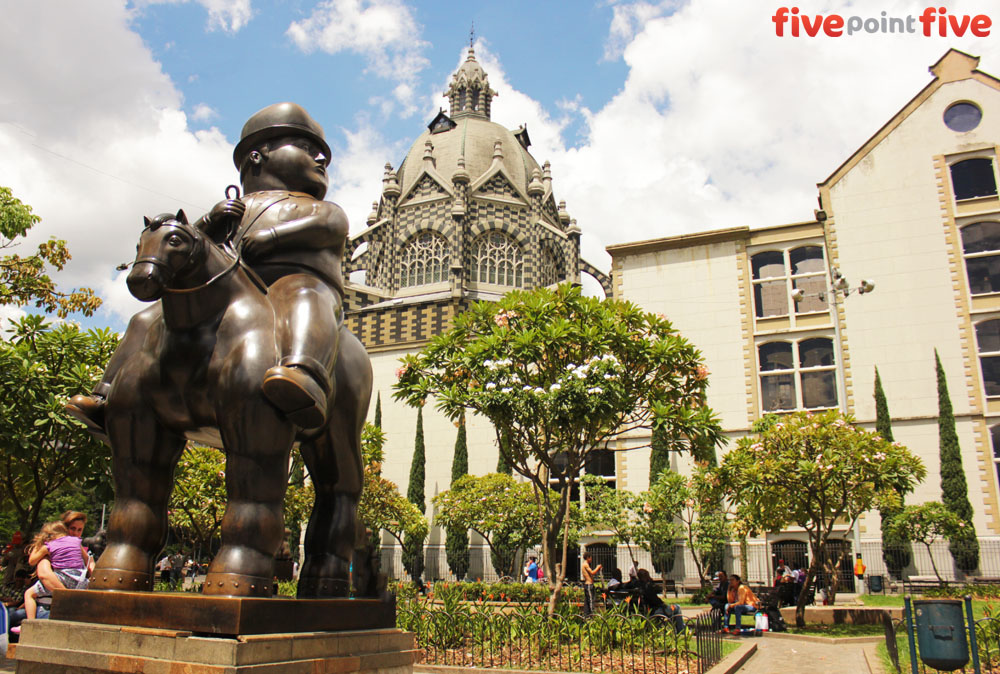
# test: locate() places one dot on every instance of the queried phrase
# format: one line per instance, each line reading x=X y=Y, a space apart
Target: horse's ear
x=181 y=218
x=146 y=221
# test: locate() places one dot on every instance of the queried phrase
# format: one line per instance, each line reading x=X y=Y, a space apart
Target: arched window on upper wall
x=424 y=260
x=797 y=375
x=973 y=178
x=770 y=291
x=988 y=342
x=995 y=438
x=551 y=269
x=981 y=248
x=777 y=376
x=817 y=374
x=497 y=259
x=809 y=275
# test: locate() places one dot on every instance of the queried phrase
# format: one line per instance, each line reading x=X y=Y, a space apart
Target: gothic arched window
x=496 y=259
x=551 y=270
x=424 y=260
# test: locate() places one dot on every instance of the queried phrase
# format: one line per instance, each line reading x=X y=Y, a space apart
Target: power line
x=105 y=173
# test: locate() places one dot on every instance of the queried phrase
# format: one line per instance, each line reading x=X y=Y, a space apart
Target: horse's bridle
x=196 y=249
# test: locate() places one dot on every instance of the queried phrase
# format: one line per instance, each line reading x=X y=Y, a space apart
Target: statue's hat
x=280 y=119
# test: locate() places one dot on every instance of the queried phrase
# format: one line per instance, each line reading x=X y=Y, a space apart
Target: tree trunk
x=933 y=565
x=745 y=559
x=800 y=605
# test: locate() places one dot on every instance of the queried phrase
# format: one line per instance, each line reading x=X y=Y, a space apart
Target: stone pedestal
x=70 y=647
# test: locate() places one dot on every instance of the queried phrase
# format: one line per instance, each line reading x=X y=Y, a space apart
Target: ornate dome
x=474 y=138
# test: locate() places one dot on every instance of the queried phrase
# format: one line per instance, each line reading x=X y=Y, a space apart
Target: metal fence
x=762 y=557
x=525 y=638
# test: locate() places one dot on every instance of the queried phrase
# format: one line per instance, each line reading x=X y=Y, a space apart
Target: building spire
x=472 y=35
x=469 y=92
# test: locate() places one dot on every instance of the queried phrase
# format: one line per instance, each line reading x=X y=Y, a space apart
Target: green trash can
x=940 y=628
x=875 y=584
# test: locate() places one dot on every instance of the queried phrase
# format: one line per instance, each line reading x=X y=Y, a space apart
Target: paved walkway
x=805 y=657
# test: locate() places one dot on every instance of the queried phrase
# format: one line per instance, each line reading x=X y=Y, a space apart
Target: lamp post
x=840 y=286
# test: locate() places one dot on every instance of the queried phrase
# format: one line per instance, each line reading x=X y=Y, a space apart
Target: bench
x=918 y=583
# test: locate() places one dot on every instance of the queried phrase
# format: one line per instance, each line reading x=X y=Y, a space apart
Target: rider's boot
x=301 y=388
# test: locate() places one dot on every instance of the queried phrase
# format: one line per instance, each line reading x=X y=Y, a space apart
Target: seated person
x=56 y=553
x=741 y=601
x=649 y=599
x=615 y=580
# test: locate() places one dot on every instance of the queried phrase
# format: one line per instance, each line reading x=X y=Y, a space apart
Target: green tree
x=24 y=280
x=705 y=525
x=895 y=551
x=560 y=375
x=378 y=409
x=659 y=527
x=382 y=507
x=818 y=471
x=659 y=454
x=617 y=511
x=413 y=547
x=498 y=508
x=925 y=523
x=457 y=538
x=41 y=449
x=198 y=500
x=954 y=489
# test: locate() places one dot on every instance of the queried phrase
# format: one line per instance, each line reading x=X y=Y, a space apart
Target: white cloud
x=720 y=123
x=385 y=32
x=227 y=15
x=92 y=164
x=204 y=113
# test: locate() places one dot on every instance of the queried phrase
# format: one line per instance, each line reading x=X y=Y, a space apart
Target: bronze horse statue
x=211 y=337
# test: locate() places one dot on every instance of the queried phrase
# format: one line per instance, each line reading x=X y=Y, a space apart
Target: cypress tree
x=954 y=489
x=502 y=465
x=378 y=409
x=659 y=455
x=896 y=550
x=457 y=540
x=413 y=549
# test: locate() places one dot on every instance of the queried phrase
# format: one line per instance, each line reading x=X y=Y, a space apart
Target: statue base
x=70 y=647
x=220 y=615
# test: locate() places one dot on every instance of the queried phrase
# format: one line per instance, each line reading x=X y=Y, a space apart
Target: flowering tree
x=658 y=528
x=816 y=471
x=925 y=523
x=382 y=507
x=706 y=527
x=560 y=375
x=198 y=500
x=498 y=508
x=616 y=510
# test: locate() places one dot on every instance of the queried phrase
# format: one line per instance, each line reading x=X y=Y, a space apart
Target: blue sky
x=659 y=118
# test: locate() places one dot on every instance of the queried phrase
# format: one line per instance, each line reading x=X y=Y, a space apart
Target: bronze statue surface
x=244 y=348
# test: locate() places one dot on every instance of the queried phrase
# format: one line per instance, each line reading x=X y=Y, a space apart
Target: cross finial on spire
x=472 y=34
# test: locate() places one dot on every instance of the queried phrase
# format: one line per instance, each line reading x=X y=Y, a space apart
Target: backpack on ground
x=775 y=622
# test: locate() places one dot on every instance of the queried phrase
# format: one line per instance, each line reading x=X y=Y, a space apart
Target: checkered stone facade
x=441 y=196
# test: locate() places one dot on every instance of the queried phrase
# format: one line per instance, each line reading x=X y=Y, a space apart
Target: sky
x=659 y=118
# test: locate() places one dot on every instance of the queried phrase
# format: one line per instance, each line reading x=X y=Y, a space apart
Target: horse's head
x=168 y=250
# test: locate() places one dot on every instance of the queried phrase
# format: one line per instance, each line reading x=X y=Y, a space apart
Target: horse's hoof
x=320 y=588
x=89 y=410
x=120 y=580
x=237 y=585
x=297 y=394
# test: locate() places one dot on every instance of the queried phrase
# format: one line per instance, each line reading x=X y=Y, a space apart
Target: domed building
x=468 y=215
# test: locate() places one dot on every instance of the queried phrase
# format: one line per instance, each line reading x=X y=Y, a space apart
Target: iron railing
x=524 y=637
